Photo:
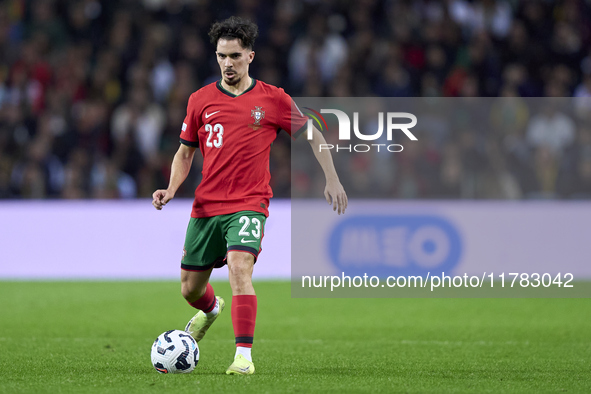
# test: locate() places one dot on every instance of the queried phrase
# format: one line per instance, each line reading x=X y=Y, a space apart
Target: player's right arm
x=181 y=165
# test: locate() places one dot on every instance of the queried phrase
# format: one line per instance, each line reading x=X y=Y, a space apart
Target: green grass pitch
x=79 y=337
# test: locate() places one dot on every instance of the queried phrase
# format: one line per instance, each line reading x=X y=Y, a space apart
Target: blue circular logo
x=395 y=245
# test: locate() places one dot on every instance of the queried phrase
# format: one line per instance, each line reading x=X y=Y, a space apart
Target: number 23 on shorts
x=246 y=230
x=251 y=230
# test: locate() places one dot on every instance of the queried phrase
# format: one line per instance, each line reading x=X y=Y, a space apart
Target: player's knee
x=241 y=266
x=240 y=271
x=191 y=292
x=241 y=274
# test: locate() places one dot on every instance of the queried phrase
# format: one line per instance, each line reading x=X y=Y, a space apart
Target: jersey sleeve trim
x=192 y=144
x=300 y=131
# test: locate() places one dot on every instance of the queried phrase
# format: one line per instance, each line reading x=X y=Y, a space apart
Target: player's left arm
x=334 y=191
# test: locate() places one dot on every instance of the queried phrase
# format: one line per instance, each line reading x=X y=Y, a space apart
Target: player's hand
x=336 y=196
x=160 y=198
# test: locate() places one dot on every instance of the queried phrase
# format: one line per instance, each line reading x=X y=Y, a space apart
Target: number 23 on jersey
x=215 y=135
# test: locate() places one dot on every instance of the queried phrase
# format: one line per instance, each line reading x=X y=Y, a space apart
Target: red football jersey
x=234 y=134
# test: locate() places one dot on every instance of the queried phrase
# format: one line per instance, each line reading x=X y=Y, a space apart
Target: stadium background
x=92 y=93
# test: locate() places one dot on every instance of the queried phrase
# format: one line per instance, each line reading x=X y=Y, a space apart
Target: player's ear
x=250 y=57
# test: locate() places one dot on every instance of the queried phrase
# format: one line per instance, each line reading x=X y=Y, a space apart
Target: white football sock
x=245 y=351
x=215 y=309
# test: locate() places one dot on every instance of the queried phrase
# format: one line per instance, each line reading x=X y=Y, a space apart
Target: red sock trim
x=207 y=301
x=244 y=314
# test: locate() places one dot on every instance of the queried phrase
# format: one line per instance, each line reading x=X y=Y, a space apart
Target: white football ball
x=175 y=351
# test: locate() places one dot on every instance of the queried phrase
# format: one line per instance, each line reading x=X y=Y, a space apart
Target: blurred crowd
x=93 y=92
x=470 y=148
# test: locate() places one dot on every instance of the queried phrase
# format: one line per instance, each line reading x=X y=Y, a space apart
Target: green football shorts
x=208 y=240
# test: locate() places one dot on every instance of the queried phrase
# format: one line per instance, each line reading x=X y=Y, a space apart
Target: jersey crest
x=257 y=114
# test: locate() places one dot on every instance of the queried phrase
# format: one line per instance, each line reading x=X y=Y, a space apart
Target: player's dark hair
x=235 y=27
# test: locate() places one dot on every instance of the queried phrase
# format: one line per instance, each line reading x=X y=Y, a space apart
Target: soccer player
x=233 y=122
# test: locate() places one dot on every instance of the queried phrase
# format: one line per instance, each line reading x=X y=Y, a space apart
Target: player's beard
x=233 y=81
